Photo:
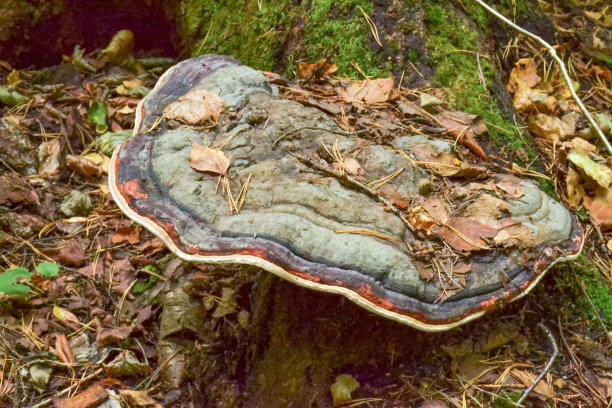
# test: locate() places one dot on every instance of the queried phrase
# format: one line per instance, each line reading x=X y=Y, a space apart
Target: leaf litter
x=102 y=255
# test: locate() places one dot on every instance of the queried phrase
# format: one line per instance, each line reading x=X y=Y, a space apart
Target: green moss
x=453 y=46
x=340 y=25
x=510 y=8
x=241 y=30
x=583 y=273
x=412 y=55
x=257 y=37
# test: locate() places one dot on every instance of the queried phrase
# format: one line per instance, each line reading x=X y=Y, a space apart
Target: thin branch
x=552 y=359
x=559 y=61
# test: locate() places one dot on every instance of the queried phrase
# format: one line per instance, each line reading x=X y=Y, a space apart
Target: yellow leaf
x=599 y=172
x=64 y=315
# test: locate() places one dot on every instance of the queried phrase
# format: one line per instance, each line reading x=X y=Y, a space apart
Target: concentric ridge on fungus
x=292 y=212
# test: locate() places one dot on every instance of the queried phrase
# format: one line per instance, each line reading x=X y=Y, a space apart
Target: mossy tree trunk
x=300 y=340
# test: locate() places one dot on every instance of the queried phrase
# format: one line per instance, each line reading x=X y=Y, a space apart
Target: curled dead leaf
x=600 y=208
x=48 y=157
x=208 y=160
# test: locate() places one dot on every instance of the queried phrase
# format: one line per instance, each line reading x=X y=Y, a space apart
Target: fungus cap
x=274 y=212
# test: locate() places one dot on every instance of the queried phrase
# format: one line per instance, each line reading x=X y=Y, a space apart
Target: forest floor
x=82 y=288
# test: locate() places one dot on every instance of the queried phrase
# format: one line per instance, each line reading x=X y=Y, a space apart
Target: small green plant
x=47 y=269
x=9 y=279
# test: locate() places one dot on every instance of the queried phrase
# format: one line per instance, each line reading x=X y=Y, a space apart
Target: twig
x=559 y=61
x=552 y=359
x=357 y=184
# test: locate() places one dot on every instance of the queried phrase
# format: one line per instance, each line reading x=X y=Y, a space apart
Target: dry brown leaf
x=108 y=336
x=528 y=99
x=48 y=157
x=600 y=208
x=436 y=208
x=527 y=378
x=138 y=398
x=420 y=220
x=73 y=254
x=524 y=71
x=370 y=91
x=63 y=350
x=90 y=398
x=463 y=127
x=130 y=234
x=85 y=165
x=465 y=234
x=575 y=191
x=196 y=108
x=552 y=127
x=317 y=70
x=208 y=160
x=426 y=271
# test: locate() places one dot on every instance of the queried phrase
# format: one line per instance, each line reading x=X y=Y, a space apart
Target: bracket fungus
x=223 y=171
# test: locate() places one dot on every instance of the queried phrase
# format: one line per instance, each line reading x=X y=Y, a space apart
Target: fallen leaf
x=429 y=100
x=66 y=318
x=208 y=160
x=317 y=70
x=527 y=378
x=436 y=208
x=83 y=166
x=552 y=127
x=130 y=234
x=342 y=389
x=63 y=350
x=465 y=234
x=48 y=157
x=107 y=336
x=575 y=191
x=137 y=398
x=126 y=364
x=525 y=71
x=463 y=127
x=370 y=91
x=600 y=208
x=73 y=254
x=90 y=398
x=599 y=172
x=196 y=108
x=420 y=220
